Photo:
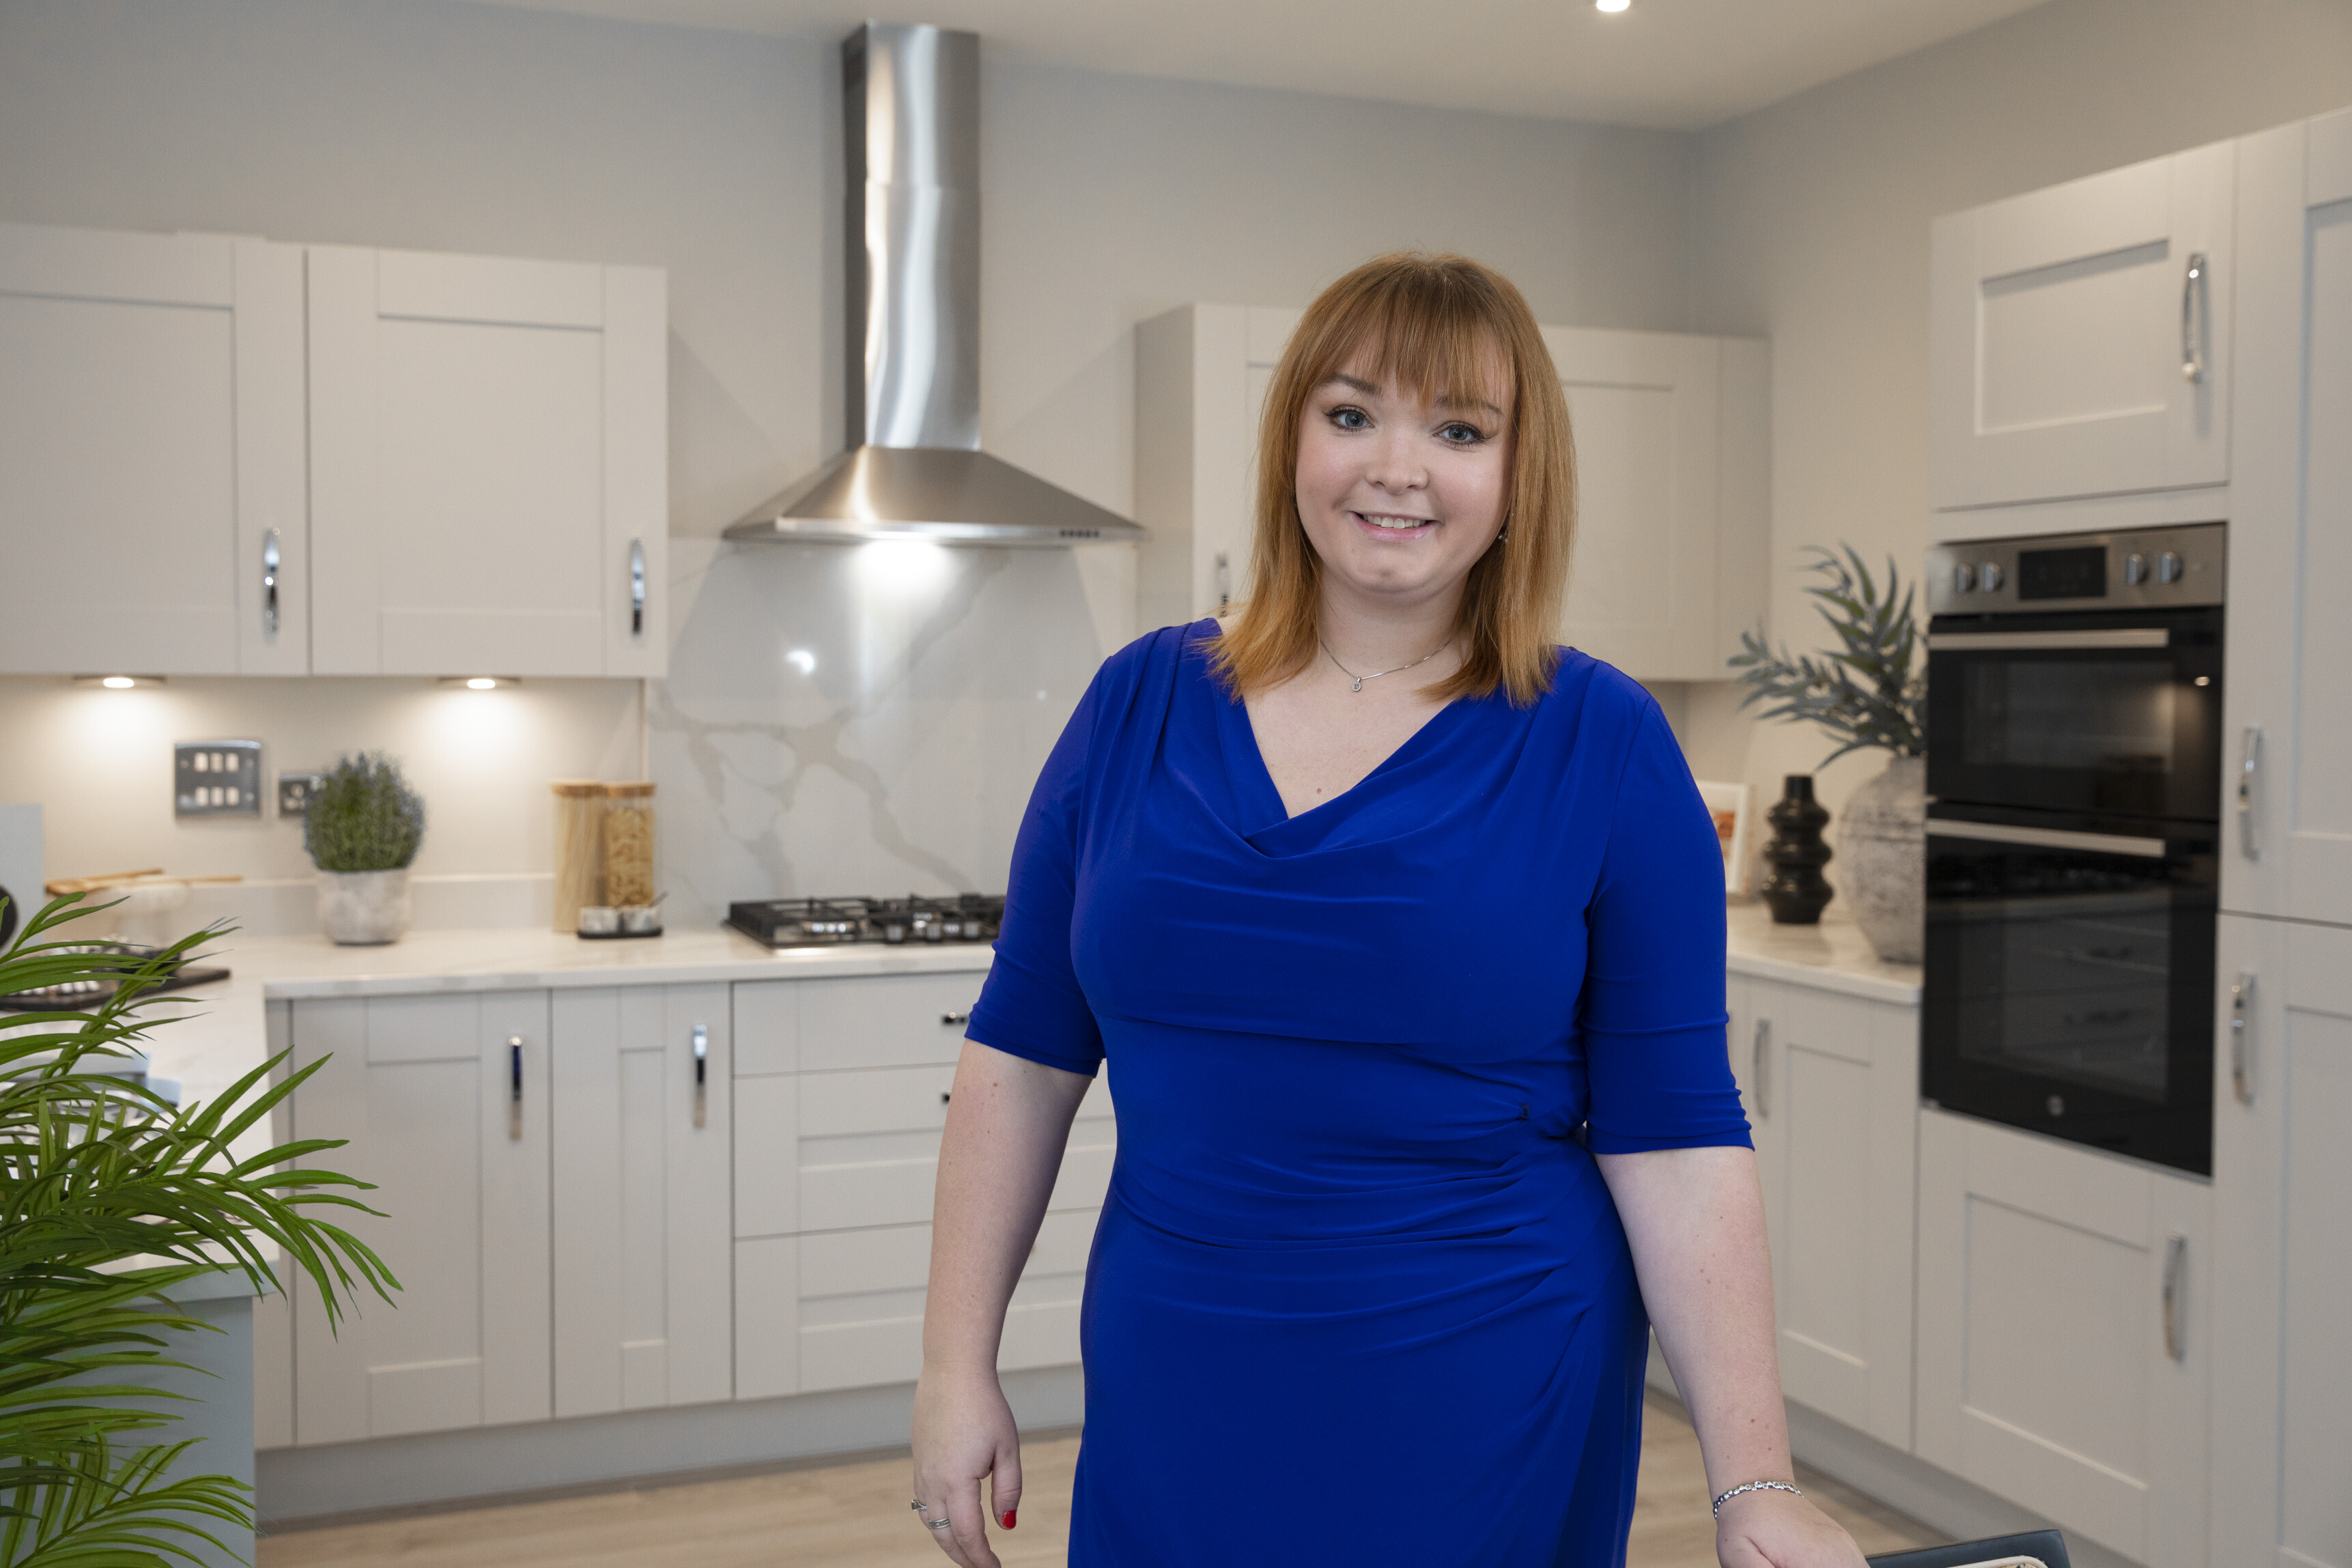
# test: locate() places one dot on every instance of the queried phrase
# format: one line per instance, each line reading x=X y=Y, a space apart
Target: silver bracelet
x=1753 y=1486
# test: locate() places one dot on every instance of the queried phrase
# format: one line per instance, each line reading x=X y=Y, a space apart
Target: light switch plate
x=294 y=792
x=216 y=778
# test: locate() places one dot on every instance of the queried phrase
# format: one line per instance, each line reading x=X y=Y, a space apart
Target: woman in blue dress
x=1401 y=930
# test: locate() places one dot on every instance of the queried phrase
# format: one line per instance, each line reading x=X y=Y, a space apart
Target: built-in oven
x=2074 y=781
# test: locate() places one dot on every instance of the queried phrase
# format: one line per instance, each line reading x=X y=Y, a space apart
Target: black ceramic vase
x=1795 y=892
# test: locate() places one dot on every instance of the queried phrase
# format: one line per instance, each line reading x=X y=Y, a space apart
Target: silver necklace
x=1376 y=674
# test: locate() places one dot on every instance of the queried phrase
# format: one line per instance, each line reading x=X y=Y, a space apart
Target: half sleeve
x=1653 y=1010
x=1031 y=1006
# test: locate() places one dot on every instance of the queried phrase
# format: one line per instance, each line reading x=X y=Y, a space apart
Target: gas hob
x=893 y=922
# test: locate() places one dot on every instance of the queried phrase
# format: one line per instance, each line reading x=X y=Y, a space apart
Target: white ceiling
x=1669 y=64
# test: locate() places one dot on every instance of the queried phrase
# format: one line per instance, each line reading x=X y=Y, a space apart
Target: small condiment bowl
x=639 y=919
x=599 y=920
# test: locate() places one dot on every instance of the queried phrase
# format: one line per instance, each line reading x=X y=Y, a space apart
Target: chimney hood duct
x=914 y=468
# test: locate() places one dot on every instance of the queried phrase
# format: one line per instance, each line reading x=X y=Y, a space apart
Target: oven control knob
x=1964 y=580
x=2167 y=568
x=2134 y=569
x=1989 y=575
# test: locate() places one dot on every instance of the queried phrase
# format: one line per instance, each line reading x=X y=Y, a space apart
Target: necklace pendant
x=1359 y=685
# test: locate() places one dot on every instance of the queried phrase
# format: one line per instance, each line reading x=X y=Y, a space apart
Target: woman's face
x=1401 y=497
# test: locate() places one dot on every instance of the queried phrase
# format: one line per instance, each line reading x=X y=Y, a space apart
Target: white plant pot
x=1882 y=845
x=363 y=909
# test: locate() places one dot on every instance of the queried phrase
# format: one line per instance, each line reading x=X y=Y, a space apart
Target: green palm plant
x=1866 y=692
x=110 y=1197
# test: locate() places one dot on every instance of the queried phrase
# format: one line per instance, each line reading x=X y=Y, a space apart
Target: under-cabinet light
x=118 y=683
x=480 y=683
x=1612 y=6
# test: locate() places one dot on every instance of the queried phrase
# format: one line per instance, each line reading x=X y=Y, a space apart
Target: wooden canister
x=628 y=844
x=579 y=848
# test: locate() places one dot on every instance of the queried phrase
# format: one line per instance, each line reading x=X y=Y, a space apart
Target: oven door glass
x=2070 y=985
x=2045 y=711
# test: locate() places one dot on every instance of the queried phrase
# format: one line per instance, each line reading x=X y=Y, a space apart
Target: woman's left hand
x=1779 y=1529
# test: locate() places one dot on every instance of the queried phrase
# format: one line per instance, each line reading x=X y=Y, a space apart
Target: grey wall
x=1809 y=226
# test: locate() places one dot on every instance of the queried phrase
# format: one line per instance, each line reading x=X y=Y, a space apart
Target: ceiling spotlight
x=118 y=683
x=479 y=682
x=1612 y=6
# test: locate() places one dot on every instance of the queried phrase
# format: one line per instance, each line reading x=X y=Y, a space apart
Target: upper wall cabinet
x=1674 y=476
x=487 y=480
x=151 y=455
x=2080 y=338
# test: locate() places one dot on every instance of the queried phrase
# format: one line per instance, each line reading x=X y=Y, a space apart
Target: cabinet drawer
x=860 y=1313
x=767 y=1027
x=886 y=1100
x=889 y=1020
x=850 y=1181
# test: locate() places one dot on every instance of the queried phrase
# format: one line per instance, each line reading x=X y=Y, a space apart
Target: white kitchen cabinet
x=2080 y=338
x=2283 y=1240
x=841 y=1093
x=2064 y=1337
x=1674 y=475
x=487 y=466
x=1831 y=1084
x=2288 y=851
x=642 y=1232
x=151 y=455
x=445 y=1103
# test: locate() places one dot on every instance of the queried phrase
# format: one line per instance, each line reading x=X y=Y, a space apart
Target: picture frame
x=1728 y=805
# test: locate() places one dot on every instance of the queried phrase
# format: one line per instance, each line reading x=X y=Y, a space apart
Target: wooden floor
x=856 y=1516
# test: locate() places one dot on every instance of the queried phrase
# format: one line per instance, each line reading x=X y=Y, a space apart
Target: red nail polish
x=1009 y=1514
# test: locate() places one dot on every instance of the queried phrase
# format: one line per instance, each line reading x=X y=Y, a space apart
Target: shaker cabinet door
x=1831 y=1087
x=2282 y=1236
x=489 y=494
x=2064 y=1340
x=643 y=1242
x=2080 y=337
x=2288 y=844
x=445 y=1103
x=151 y=455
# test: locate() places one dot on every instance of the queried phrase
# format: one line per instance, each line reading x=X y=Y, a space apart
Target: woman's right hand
x=963 y=1431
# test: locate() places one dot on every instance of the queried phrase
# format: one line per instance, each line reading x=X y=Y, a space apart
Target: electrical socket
x=294 y=792
x=216 y=778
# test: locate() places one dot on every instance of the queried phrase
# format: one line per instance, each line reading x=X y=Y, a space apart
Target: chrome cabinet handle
x=514 y=1087
x=2175 y=1313
x=270 y=583
x=636 y=588
x=702 y=1074
x=2250 y=774
x=2192 y=294
x=948 y=1018
x=2241 y=1045
x=1225 y=581
x=1760 y=1059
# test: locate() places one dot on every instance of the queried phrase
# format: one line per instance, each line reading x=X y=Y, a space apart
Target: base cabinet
x=2064 y=1359
x=843 y=1093
x=643 y=1225
x=444 y=1102
x=2283 y=1240
x=1831 y=1084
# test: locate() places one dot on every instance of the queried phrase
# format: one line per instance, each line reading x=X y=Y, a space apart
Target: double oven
x=2074 y=782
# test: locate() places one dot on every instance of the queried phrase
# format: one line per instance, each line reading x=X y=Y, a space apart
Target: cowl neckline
x=1266 y=824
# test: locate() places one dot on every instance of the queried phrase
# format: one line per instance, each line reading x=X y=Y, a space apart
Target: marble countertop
x=1832 y=956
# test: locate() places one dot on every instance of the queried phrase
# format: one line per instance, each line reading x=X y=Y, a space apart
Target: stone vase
x=1883 y=844
x=363 y=909
x=1795 y=892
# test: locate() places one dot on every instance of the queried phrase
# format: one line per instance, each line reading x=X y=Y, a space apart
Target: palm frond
x=1871 y=690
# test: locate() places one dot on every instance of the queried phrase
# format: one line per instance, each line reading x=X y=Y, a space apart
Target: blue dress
x=1358 y=1294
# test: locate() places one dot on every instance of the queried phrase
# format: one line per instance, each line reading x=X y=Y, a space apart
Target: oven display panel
x=2077 y=573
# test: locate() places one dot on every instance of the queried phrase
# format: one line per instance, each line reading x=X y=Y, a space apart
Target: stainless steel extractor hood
x=914 y=468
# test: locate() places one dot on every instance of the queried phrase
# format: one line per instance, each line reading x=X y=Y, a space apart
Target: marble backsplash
x=868 y=718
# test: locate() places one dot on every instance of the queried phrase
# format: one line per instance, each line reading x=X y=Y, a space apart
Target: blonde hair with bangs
x=1440 y=326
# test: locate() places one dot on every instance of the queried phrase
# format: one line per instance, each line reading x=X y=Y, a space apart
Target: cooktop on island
x=829 y=921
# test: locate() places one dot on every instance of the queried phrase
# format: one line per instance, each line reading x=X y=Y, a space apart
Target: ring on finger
x=939 y=1523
